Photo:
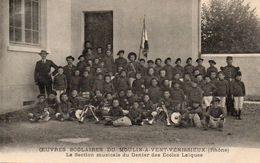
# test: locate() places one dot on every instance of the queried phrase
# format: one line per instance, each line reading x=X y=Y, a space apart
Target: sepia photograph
x=129 y=80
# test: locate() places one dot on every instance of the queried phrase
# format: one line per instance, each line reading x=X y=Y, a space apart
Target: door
x=99 y=28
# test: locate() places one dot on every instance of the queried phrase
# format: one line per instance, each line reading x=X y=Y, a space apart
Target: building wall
x=17 y=62
x=249 y=66
x=172 y=28
x=172 y=25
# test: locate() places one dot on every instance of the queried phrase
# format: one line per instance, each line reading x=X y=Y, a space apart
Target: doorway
x=99 y=28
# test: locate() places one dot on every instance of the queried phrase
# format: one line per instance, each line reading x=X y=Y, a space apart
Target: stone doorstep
x=252 y=102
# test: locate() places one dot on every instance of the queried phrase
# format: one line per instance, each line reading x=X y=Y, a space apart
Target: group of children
x=129 y=92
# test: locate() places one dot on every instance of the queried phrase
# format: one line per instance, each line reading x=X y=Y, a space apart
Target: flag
x=144 y=47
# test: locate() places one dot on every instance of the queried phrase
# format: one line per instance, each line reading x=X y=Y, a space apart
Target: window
x=24 y=21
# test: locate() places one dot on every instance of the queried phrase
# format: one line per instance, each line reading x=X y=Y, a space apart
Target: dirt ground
x=26 y=135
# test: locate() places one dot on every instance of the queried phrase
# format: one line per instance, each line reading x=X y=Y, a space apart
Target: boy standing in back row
x=238 y=92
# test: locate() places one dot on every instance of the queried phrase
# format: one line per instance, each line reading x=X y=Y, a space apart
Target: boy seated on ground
x=116 y=115
x=136 y=114
x=40 y=110
x=195 y=114
x=215 y=116
x=74 y=99
x=166 y=104
x=148 y=108
x=65 y=112
x=52 y=103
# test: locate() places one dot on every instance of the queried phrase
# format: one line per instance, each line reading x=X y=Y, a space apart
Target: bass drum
x=78 y=115
x=176 y=118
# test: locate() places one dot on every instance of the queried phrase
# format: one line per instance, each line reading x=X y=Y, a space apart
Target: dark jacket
x=157 y=70
x=60 y=82
x=222 y=88
x=216 y=112
x=177 y=96
x=116 y=112
x=230 y=71
x=195 y=94
x=178 y=69
x=147 y=80
x=39 y=108
x=85 y=84
x=109 y=63
x=69 y=72
x=155 y=94
x=211 y=69
x=188 y=69
x=208 y=89
x=132 y=68
x=121 y=83
x=74 y=83
x=42 y=70
x=137 y=86
x=120 y=61
x=201 y=69
x=237 y=88
x=81 y=66
x=64 y=107
x=169 y=71
x=98 y=85
x=108 y=88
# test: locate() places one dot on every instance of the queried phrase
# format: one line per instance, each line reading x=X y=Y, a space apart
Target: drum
x=78 y=115
x=176 y=118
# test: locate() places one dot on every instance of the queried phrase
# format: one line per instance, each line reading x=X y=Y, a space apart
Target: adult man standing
x=42 y=73
x=69 y=70
x=230 y=72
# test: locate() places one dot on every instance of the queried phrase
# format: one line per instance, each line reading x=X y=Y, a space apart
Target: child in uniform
x=200 y=67
x=215 y=116
x=222 y=89
x=74 y=82
x=208 y=91
x=138 y=85
x=85 y=83
x=188 y=68
x=60 y=83
x=238 y=92
x=40 y=110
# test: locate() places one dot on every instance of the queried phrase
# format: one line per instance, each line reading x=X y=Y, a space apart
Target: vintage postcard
x=129 y=81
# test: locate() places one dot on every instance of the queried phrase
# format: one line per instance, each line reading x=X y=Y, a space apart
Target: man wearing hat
x=211 y=67
x=69 y=71
x=120 y=61
x=189 y=68
x=42 y=73
x=230 y=72
x=178 y=68
x=200 y=67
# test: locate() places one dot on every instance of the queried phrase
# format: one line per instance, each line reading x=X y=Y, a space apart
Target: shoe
x=239 y=115
x=168 y=123
x=150 y=122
